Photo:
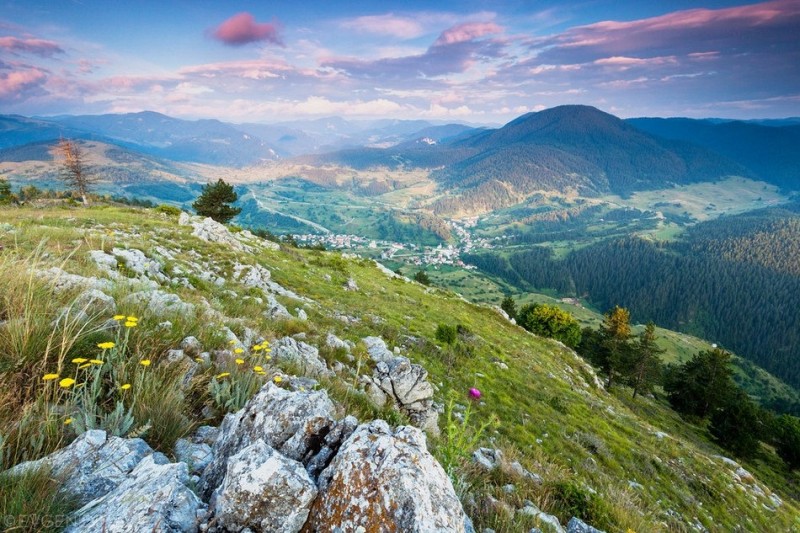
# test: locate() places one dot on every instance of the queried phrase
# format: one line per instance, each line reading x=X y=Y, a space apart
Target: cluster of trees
x=703 y=387
x=545 y=320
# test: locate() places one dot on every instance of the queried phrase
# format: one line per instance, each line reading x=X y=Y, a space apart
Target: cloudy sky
x=467 y=60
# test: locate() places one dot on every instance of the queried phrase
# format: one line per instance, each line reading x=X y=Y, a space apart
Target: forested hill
x=581 y=146
x=769 y=151
x=733 y=281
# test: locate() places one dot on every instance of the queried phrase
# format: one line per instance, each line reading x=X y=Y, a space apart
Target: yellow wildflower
x=119 y=317
x=277 y=379
x=268 y=357
x=257 y=348
x=125 y=386
x=145 y=362
x=79 y=360
x=239 y=350
x=198 y=359
x=258 y=369
x=68 y=421
x=49 y=377
x=130 y=324
x=132 y=319
x=106 y=345
x=223 y=375
x=239 y=361
x=87 y=365
x=66 y=383
x=262 y=373
x=96 y=361
x=231 y=342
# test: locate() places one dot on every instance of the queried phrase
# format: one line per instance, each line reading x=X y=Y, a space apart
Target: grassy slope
x=587 y=444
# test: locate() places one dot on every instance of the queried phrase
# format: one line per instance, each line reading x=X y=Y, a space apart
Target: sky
x=468 y=61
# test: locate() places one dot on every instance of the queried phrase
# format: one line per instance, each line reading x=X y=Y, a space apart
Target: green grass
x=585 y=443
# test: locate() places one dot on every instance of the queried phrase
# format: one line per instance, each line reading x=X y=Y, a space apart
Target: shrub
x=550 y=321
x=446 y=334
x=170 y=210
x=422 y=277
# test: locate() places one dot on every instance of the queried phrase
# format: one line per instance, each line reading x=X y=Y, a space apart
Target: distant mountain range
x=571 y=147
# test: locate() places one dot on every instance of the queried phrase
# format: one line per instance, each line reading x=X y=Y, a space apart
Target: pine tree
x=214 y=202
x=645 y=365
x=74 y=171
x=422 y=277
x=616 y=333
x=509 y=306
x=735 y=425
x=5 y=192
x=701 y=385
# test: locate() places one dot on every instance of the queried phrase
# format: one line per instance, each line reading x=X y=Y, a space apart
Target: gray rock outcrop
x=385 y=480
x=92 y=465
x=576 y=525
x=154 y=497
x=293 y=423
x=159 y=302
x=406 y=385
x=303 y=355
x=377 y=350
x=263 y=490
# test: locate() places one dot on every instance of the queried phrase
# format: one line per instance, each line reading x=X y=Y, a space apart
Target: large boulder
x=301 y=354
x=377 y=350
x=92 y=465
x=210 y=230
x=384 y=480
x=155 y=497
x=293 y=423
x=406 y=384
x=264 y=491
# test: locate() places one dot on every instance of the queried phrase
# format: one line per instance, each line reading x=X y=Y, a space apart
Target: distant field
x=704 y=201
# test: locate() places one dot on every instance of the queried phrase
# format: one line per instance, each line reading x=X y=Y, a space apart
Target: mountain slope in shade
x=771 y=151
x=201 y=141
x=584 y=148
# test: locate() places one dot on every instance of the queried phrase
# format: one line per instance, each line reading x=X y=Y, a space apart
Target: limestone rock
x=210 y=230
x=153 y=498
x=264 y=491
x=576 y=525
x=96 y=302
x=191 y=346
x=294 y=423
x=332 y=341
x=406 y=384
x=159 y=302
x=275 y=309
x=105 y=262
x=488 y=458
x=377 y=350
x=63 y=281
x=92 y=465
x=351 y=285
x=384 y=480
x=301 y=314
x=302 y=354
x=137 y=262
x=197 y=456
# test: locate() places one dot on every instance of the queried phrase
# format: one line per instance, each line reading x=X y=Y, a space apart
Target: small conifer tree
x=214 y=201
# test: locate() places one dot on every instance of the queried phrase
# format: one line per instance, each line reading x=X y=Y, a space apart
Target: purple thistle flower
x=474 y=393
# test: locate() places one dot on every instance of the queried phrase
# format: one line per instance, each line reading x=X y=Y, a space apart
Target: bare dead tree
x=74 y=171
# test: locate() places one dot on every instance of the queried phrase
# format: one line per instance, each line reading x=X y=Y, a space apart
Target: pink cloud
x=242 y=29
x=467 y=32
x=39 y=47
x=14 y=85
x=389 y=24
